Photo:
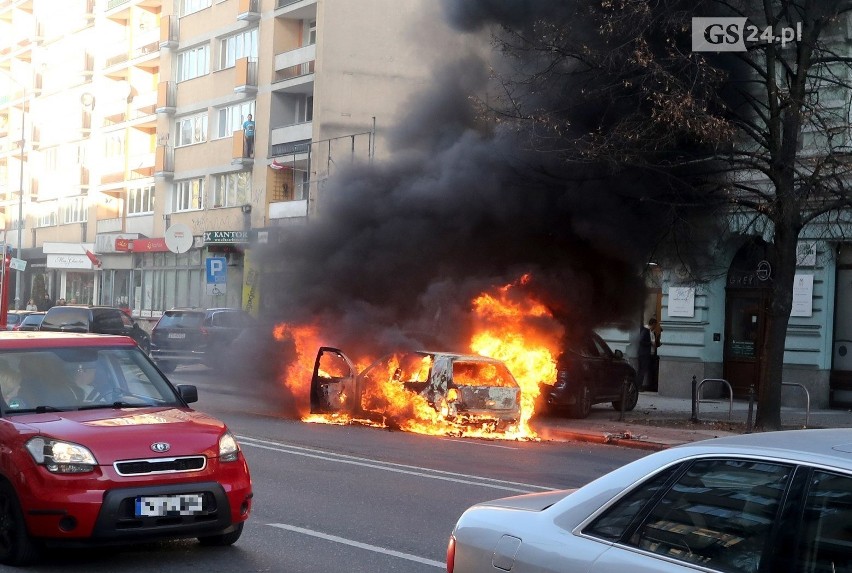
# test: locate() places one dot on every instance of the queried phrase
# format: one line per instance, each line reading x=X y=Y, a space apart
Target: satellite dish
x=179 y=238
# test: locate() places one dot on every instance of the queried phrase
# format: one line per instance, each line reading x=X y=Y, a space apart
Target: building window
x=231 y=189
x=305 y=109
x=231 y=118
x=140 y=200
x=193 y=63
x=237 y=46
x=75 y=210
x=192 y=6
x=114 y=144
x=312 y=32
x=47 y=214
x=191 y=129
x=188 y=195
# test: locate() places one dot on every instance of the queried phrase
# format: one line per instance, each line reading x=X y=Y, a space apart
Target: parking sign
x=217 y=270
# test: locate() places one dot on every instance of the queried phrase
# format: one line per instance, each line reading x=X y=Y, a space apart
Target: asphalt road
x=354 y=499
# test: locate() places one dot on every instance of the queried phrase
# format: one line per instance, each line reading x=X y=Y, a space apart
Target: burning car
x=411 y=387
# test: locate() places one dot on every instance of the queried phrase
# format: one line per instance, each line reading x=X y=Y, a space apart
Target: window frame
x=140 y=200
x=193 y=63
x=187 y=196
x=198 y=124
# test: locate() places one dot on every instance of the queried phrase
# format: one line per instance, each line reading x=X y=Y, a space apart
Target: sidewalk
x=660 y=422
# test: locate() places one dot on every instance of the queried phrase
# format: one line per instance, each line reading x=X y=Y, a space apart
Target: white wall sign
x=59 y=261
x=803 y=295
x=806 y=252
x=681 y=302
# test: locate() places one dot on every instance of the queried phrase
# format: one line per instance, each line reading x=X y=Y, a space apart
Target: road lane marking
x=504 y=485
x=473 y=443
x=358 y=544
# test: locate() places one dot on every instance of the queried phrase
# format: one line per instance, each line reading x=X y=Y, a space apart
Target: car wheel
x=583 y=406
x=632 y=396
x=222 y=539
x=16 y=546
x=166 y=366
x=145 y=345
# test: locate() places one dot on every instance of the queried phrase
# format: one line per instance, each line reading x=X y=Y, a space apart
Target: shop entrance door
x=745 y=319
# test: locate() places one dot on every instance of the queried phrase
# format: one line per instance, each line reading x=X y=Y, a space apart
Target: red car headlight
x=60 y=457
x=228 y=448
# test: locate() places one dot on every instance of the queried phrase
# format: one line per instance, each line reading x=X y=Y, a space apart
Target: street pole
x=20 y=206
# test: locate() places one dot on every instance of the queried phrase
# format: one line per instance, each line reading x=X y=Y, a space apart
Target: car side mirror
x=188 y=392
x=619 y=354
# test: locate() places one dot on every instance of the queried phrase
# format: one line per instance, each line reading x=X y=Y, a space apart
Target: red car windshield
x=73 y=378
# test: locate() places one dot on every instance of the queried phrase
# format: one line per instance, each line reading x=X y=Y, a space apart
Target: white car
x=768 y=502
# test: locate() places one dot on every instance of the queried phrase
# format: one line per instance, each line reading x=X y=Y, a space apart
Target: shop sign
x=157 y=245
x=66 y=261
x=225 y=237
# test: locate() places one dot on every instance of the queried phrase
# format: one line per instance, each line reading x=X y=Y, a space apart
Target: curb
x=624 y=440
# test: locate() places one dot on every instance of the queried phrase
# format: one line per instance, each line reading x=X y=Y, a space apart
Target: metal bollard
x=624 y=385
x=694 y=417
x=749 y=422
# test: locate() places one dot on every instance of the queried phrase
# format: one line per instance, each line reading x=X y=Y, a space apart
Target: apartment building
x=137 y=186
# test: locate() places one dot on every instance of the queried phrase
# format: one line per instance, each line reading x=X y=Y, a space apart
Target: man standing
x=647 y=347
x=248 y=133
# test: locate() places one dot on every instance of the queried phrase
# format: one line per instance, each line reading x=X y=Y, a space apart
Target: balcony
x=248 y=10
x=294 y=70
x=246 y=76
x=169 y=32
x=239 y=153
x=164 y=162
x=288 y=209
x=296 y=9
x=292 y=133
x=166 y=98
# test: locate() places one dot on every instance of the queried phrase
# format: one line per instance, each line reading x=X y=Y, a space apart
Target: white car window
x=718 y=514
x=826 y=534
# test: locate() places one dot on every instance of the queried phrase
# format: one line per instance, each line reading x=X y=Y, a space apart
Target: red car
x=97 y=446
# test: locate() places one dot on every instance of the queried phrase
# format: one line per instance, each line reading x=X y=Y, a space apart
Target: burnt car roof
x=477 y=357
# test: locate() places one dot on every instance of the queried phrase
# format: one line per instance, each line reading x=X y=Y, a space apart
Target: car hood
x=128 y=433
x=530 y=501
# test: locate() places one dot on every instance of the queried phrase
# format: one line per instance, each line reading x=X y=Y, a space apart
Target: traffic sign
x=217 y=270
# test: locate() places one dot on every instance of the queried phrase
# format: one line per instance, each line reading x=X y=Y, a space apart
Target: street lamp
x=20 y=203
x=18 y=277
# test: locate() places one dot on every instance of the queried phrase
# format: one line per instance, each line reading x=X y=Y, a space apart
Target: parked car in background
x=196 y=336
x=462 y=388
x=778 y=502
x=99 y=447
x=95 y=319
x=589 y=372
x=14 y=317
x=30 y=322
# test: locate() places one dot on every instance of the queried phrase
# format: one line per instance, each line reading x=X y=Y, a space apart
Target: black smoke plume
x=399 y=248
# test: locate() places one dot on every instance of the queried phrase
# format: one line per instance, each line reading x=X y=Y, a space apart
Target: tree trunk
x=775 y=333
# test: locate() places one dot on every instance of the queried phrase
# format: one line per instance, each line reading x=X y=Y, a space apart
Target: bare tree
x=759 y=137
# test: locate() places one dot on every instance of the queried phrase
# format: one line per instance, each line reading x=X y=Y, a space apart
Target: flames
x=507 y=325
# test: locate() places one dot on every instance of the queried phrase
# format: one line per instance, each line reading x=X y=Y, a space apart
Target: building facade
x=134 y=170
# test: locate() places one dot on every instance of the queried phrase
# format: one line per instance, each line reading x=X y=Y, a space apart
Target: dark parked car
x=196 y=336
x=30 y=322
x=589 y=372
x=14 y=317
x=462 y=388
x=95 y=319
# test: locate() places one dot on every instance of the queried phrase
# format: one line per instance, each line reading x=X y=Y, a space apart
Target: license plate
x=177 y=335
x=162 y=505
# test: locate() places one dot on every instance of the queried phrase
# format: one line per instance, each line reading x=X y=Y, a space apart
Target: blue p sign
x=217 y=270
